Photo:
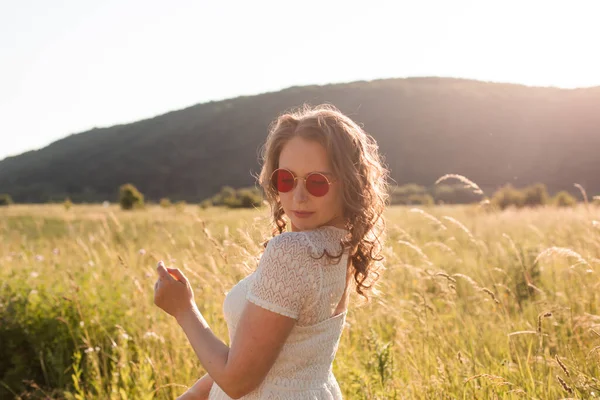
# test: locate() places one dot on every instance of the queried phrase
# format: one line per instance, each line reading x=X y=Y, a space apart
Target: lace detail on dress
x=295 y=279
x=283 y=281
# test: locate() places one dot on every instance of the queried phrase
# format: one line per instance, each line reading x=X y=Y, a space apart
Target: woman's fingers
x=162 y=272
x=177 y=274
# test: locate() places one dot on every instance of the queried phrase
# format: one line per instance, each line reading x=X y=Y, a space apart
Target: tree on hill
x=130 y=197
x=5 y=200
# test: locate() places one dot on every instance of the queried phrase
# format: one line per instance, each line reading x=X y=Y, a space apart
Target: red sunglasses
x=316 y=183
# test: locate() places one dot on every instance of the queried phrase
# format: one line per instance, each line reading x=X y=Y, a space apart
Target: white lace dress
x=290 y=282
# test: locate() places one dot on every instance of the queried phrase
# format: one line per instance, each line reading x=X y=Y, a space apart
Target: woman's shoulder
x=288 y=245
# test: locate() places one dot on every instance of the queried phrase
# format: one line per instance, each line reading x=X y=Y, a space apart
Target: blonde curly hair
x=355 y=159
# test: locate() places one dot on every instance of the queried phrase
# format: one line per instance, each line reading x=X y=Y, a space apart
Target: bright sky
x=68 y=66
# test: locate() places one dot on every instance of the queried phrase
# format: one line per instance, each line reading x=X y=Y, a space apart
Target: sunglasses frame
x=329 y=182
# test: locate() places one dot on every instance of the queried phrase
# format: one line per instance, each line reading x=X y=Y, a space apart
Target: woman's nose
x=300 y=194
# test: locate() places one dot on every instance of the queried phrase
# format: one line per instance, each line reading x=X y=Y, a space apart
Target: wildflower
x=34 y=274
x=89 y=350
x=56 y=251
x=39 y=258
x=142 y=252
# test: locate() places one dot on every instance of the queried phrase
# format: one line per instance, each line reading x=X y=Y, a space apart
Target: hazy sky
x=68 y=66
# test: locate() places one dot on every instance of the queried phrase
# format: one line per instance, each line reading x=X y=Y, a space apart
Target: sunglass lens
x=283 y=180
x=317 y=185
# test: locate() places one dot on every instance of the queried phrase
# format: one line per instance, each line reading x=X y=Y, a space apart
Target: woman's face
x=305 y=211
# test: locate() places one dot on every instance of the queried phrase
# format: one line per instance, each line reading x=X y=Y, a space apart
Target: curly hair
x=355 y=159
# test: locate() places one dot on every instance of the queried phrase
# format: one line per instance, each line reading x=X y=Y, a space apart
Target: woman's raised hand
x=173 y=292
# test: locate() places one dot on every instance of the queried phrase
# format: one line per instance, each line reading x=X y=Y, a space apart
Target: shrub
x=411 y=194
x=455 y=194
x=249 y=198
x=564 y=199
x=165 y=202
x=130 y=197
x=403 y=194
x=508 y=196
x=241 y=198
x=32 y=328
x=206 y=203
x=180 y=206
x=5 y=200
x=536 y=195
x=68 y=204
x=596 y=201
x=225 y=197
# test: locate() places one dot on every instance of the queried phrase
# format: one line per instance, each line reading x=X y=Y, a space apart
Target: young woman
x=323 y=176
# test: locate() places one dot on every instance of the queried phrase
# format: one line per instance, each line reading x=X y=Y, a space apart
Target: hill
x=426 y=127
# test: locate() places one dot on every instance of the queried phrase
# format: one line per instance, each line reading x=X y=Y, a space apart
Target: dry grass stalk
x=417 y=250
x=441 y=368
x=593 y=350
x=517 y=391
x=540 y=316
x=430 y=217
x=506 y=288
x=207 y=233
x=561 y=251
x=404 y=235
x=495 y=379
x=468 y=183
x=445 y=275
x=492 y=295
x=522 y=333
x=537 y=289
x=564 y=384
x=441 y=246
x=470 y=280
x=562 y=366
x=461 y=227
x=514 y=248
x=583 y=193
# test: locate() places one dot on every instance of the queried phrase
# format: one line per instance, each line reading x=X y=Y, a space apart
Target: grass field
x=472 y=305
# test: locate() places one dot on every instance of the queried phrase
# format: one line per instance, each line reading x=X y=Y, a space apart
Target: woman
x=321 y=174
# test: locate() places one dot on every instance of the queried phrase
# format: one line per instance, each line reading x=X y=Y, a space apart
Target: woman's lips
x=303 y=214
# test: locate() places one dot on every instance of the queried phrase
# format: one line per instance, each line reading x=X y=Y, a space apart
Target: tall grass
x=472 y=304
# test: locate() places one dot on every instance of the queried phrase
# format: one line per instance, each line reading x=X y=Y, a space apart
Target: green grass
x=464 y=310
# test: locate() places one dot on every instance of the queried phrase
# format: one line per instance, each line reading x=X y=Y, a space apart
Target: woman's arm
x=259 y=338
x=200 y=389
x=276 y=297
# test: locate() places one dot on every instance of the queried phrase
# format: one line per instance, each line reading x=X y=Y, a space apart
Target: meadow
x=472 y=304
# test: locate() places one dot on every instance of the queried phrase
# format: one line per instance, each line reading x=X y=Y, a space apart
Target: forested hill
x=426 y=127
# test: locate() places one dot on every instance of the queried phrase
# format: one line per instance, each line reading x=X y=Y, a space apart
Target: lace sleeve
x=283 y=281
